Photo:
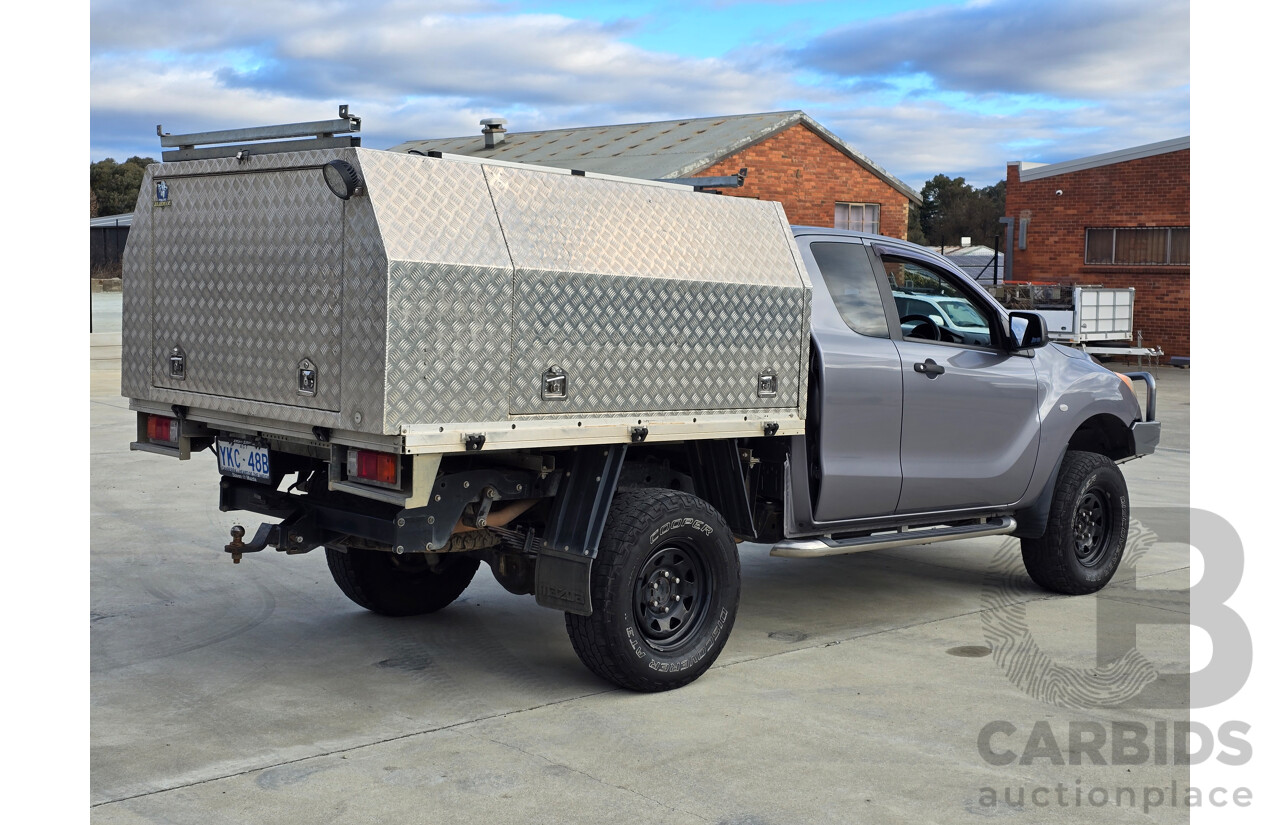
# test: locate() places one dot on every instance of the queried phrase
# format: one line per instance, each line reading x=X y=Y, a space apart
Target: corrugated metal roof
x=663 y=149
x=112 y=220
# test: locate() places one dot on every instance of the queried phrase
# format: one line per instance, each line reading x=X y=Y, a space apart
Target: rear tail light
x=161 y=428
x=379 y=468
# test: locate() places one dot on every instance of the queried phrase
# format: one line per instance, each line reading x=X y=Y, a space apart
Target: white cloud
x=209 y=25
x=917 y=139
x=1084 y=49
x=952 y=89
x=408 y=73
x=964 y=89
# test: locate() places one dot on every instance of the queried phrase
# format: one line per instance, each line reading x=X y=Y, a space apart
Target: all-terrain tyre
x=400 y=585
x=664 y=592
x=1088 y=527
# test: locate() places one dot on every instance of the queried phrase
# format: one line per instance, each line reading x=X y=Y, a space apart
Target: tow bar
x=289 y=536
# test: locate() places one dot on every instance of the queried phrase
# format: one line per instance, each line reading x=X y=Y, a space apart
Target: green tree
x=953 y=209
x=113 y=187
x=914 y=233
x=990 y=210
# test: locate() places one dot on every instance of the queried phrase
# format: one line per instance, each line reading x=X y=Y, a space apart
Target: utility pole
x=1008 y=249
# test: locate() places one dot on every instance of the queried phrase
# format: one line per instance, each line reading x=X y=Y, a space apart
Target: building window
x=862 y=217
x=1138 y=246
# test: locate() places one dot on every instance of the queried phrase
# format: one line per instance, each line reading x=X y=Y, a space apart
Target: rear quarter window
x=846 y=270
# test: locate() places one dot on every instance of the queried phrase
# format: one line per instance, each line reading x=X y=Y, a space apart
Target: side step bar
x=828 y=546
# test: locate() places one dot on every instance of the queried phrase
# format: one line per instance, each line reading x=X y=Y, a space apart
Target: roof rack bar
x=321 y=134
x=243 y=150
x=316 y=128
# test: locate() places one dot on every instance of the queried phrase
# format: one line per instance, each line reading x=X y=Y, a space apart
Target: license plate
x=244 y=460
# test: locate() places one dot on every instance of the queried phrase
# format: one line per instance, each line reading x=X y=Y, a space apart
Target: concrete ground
x=104 y=311
x=853 y=689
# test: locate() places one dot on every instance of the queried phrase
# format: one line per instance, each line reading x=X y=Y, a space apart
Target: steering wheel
x=931 y=330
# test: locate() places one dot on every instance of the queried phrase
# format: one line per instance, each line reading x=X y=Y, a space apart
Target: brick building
x=1118 y=219
x=791 y=158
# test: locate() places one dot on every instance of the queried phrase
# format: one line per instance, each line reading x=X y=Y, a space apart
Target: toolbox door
x=247 y=287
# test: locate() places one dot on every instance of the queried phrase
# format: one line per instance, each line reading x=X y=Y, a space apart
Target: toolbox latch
x=555 y=383
x=177 y=364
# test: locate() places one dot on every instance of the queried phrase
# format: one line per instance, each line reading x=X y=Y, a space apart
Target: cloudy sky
x=920 y=86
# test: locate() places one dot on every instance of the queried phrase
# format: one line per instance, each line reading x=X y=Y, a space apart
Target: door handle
x=930 y=368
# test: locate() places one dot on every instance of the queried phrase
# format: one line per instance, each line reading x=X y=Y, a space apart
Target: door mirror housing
x=1029 y=330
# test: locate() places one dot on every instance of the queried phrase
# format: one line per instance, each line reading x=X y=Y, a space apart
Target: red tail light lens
x=367 y=465
x=161 y=428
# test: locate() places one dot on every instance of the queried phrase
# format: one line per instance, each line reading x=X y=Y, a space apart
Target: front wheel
x=1087 y=530
x=664 y=587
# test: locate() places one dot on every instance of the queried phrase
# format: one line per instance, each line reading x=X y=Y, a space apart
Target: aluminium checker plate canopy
x=451 y=297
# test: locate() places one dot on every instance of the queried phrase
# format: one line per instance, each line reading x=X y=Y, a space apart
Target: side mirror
x=1029 y=330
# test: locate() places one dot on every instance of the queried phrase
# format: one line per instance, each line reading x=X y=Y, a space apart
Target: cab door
x=855 y=410
x=970 y=412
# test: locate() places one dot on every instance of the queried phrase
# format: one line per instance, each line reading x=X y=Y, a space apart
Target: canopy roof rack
x=262 y=140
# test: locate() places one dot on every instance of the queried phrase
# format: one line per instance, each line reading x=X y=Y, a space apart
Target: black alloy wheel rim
x=1092 y=527
x=671 y=594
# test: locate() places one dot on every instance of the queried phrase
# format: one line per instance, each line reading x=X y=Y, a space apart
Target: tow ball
x=238 y=548
x=288 y=536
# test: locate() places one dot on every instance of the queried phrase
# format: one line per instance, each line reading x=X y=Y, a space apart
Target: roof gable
x=1034 y=171
x=662 y=149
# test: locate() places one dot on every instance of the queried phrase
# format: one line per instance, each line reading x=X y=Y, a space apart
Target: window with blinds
x=861 y=217
x=1138 y=246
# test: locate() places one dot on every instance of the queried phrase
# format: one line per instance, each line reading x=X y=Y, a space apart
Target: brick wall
x=808 y=176
x=1152 y=191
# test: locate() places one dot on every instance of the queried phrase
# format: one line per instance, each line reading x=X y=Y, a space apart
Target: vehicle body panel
x=970 y=436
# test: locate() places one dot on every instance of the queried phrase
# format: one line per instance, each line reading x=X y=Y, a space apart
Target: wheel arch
x=711 y=469
x=1104 y=434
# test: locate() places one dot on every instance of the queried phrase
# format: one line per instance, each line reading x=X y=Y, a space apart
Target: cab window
x=846 y=269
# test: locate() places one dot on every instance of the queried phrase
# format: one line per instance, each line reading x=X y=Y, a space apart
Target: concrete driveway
x=853 y=689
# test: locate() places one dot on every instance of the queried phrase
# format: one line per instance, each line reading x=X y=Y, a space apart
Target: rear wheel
x=400 y=585
x=664 y=588
x=1088 y=527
